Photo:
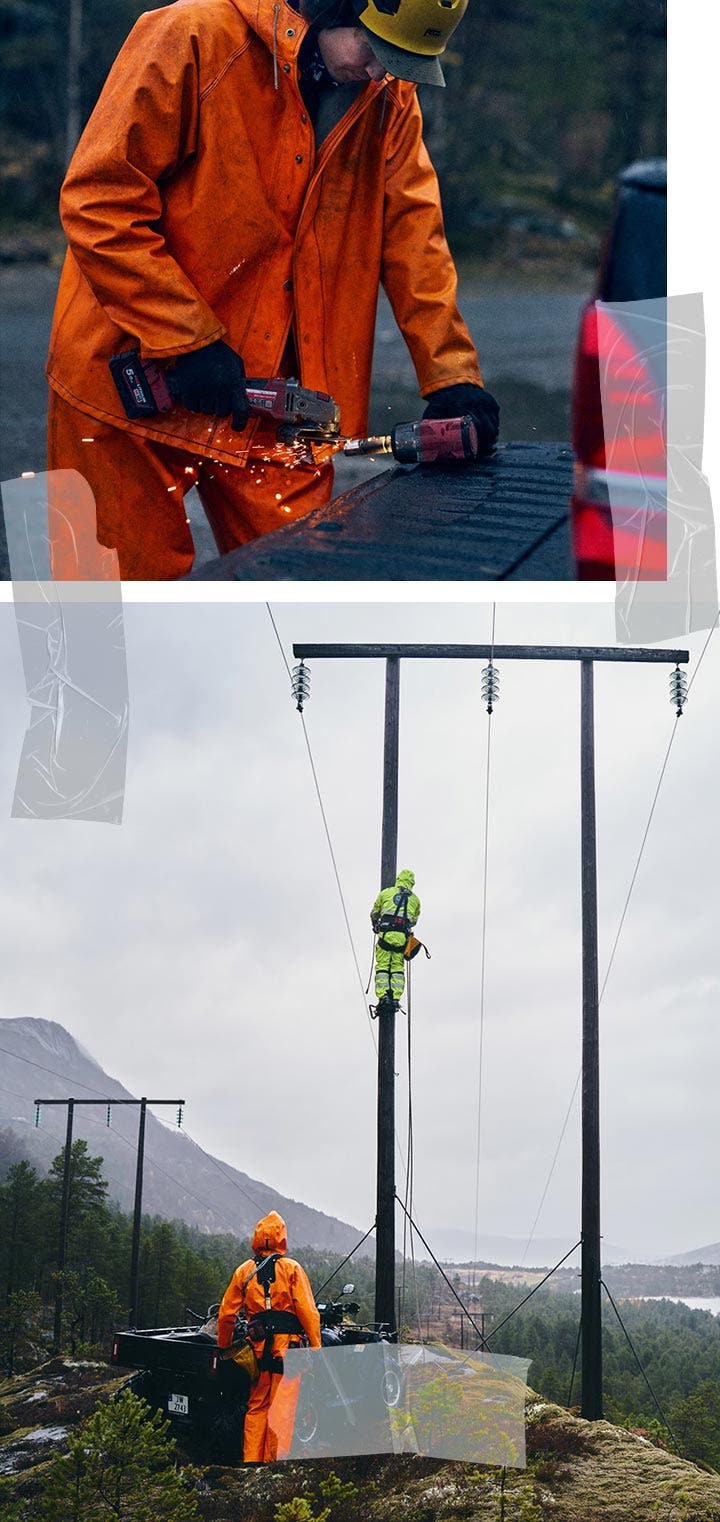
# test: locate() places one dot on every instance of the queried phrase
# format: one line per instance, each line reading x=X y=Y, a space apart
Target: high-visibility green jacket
x=389 y=902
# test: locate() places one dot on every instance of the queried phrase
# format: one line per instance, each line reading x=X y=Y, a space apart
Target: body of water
x=695 y=1302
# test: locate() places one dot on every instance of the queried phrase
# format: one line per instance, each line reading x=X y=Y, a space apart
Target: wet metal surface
x=506 y=518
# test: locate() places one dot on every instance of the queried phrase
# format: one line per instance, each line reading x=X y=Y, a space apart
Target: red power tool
x=146 y=389
x=453 y=438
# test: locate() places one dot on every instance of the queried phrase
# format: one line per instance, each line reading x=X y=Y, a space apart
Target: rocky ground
x=576 y=1471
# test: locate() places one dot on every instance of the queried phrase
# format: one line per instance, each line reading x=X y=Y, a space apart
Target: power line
x=133 y=1146
x=128 y=1142
x=605 y=980
x=333 y=859
x=611 y=960
x=91 y=1119
x=326 y=826
x=66 y=1077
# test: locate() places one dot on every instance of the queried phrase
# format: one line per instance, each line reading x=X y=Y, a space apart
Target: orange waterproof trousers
x=139 y=487
x=270 y=1418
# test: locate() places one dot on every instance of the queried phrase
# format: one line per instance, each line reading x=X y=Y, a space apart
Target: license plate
x=178 y=1404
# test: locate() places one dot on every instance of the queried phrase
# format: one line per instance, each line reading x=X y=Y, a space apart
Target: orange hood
x=270 y=1235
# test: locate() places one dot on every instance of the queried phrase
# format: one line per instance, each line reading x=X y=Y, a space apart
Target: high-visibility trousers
x=139 y=488
x=389 y=973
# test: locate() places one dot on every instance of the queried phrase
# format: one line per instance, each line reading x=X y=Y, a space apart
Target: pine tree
x=119 y=1467
x=19 y=1212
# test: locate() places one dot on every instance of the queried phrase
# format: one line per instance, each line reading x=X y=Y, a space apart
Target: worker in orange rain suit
x=289 y=1291
x=235 y=200
x=393 y=915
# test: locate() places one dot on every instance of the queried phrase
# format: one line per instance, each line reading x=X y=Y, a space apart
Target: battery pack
x=140 y=384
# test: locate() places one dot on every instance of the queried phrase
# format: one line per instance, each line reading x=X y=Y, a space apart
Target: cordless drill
x=422 y=443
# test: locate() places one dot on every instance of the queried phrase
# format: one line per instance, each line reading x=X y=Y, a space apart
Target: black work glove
x=212 y=380
x=464 y=399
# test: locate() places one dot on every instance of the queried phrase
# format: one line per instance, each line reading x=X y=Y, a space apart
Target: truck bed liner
x=504 y=518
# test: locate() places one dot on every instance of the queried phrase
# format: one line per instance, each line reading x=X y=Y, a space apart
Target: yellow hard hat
x=409 y=35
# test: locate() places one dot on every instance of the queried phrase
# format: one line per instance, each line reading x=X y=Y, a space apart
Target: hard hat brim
x=418 y=68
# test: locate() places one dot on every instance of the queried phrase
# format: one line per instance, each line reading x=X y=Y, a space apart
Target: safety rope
x=334 y=863
x=409 y=1181
x=408 y=1170
x=482 y=967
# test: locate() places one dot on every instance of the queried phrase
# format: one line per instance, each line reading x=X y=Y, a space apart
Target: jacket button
x=286 y=68
x=287 y=285
x=290 y=31
x=298 y=158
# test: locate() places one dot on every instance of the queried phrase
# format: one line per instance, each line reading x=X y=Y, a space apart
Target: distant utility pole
x=591 y=1337
x=108 y=1104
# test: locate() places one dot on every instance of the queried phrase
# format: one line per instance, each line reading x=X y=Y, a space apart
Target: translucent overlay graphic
x=382 y=1398
x=652 y=386
x=73 y=759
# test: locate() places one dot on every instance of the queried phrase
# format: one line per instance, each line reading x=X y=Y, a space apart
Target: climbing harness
x=397 y=923
x=262 y=1326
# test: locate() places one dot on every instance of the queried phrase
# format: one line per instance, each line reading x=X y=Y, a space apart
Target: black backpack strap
x=274 y=1322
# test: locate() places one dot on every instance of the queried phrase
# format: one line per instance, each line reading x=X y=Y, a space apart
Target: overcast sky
x=199 y=947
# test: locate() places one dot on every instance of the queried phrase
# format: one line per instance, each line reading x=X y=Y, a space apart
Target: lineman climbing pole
x=590 y=1324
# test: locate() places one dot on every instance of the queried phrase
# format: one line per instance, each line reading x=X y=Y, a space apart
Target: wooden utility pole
x=109 y=1104
x=591 y=1338
x=137 y=1218
x=62 y=1239
x=590 y=1209
x=385 y=1180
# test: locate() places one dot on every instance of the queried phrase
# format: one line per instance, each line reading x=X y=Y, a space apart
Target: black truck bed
x=506 y=518
x=166 y=1349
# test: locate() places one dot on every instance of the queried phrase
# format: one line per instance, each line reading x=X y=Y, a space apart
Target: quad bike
x=180 y=1370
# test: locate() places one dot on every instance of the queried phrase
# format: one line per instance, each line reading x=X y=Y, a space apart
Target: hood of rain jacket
x=270 y=1235
x=289 y=1290
x=197 y=207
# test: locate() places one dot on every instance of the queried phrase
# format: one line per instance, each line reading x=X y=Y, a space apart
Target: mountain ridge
x=181 y=1180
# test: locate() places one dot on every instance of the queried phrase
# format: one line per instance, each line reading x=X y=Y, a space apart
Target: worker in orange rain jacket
x=392 y=916
x=271 y=1407
x=251 y=172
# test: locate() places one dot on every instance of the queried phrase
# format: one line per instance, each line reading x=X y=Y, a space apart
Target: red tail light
x=619 y=504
